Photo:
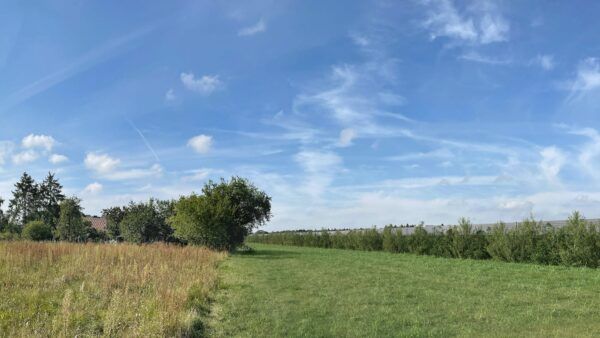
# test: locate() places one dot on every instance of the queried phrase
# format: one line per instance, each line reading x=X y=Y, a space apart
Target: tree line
x=220 y=217
x=531 y=241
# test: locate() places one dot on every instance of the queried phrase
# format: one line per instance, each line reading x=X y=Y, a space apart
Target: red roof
x=98 y=223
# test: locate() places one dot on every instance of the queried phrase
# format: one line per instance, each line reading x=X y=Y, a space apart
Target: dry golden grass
x=63 y=289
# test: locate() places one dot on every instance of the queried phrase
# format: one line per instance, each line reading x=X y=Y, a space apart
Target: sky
x=347 y=113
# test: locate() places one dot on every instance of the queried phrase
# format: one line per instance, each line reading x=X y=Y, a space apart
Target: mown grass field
x=68 y=290
x=290 y=291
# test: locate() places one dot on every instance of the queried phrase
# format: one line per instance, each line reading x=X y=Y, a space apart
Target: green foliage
x=3 y=218
x=576 y=244
x=580 y=246
x=37 y=231
x=145 y=222
x=223 y=215
x=114 y=216
x=50 y=196
x=32 y=201
x=23 y=207
x=71 y=225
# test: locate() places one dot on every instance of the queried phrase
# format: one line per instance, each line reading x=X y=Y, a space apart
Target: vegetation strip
x=287 y=291
x=576 y=244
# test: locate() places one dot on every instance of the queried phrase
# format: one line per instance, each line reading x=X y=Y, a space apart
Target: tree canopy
x=223 y=215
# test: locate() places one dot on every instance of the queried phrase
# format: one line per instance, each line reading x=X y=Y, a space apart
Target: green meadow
x=279 y=291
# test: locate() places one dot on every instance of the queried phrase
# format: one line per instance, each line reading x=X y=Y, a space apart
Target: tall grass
x=576 y=244
x=65 y=289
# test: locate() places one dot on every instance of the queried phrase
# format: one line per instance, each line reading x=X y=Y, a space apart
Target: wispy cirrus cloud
x=259 y=27
x=587 y=78
x=479 y=24
x=477 y=57
x=320 y=168
x=545 y=61
x=108 y=167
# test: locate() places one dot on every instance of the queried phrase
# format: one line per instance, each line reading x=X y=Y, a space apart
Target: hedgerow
x=530 y=241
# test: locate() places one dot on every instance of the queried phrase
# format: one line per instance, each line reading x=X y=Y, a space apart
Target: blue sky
x=352 y=113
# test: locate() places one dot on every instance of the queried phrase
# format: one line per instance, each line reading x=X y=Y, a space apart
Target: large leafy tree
x=71 y=225
x=24 y=205
x=223 y=215
x=146 y=222
x=50 y=196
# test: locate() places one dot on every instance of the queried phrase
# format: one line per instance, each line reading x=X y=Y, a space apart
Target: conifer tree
x=71 y=225
x=24 y=205
x=50 y=195
x=3 y=220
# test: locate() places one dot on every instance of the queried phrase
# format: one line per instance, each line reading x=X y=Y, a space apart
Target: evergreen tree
x=24 y=205
x=50 y=197
x=71 y=225
x=3 y=219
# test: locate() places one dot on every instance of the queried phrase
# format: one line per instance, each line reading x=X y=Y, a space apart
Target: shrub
x=37 y=231
x=580 y=242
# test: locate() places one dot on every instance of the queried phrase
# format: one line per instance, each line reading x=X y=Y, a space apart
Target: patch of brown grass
x=64 y=289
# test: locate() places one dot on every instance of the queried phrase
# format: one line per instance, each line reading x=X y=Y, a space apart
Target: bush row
x=576 y=244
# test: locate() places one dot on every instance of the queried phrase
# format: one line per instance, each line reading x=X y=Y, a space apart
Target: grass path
x=306 y=292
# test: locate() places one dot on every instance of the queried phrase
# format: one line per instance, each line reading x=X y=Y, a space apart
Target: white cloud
x=205 y=85
x=479 y=25
x=352 y=99
x=346 y=137
x=545 y=61
x=170 y=95
x=6 y=148
x=552 y=161
x=441 y=153
x=259 y=27
x=589 y=153
x=57 y=158
x=101 y=163
x=108 y=167
x=133 y=174
x=24 y=157
x=201 y=143
x=476 y=57
x=493 y=29
x=320 y=168
x=587 y=78
x=38 y=141
x=199 y=174
x=360 y=40
x=93 y=188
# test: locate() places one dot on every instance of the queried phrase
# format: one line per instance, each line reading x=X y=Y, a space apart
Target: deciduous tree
x=223 y=215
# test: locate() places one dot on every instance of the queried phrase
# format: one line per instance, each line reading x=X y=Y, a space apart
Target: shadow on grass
x=266 y=254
